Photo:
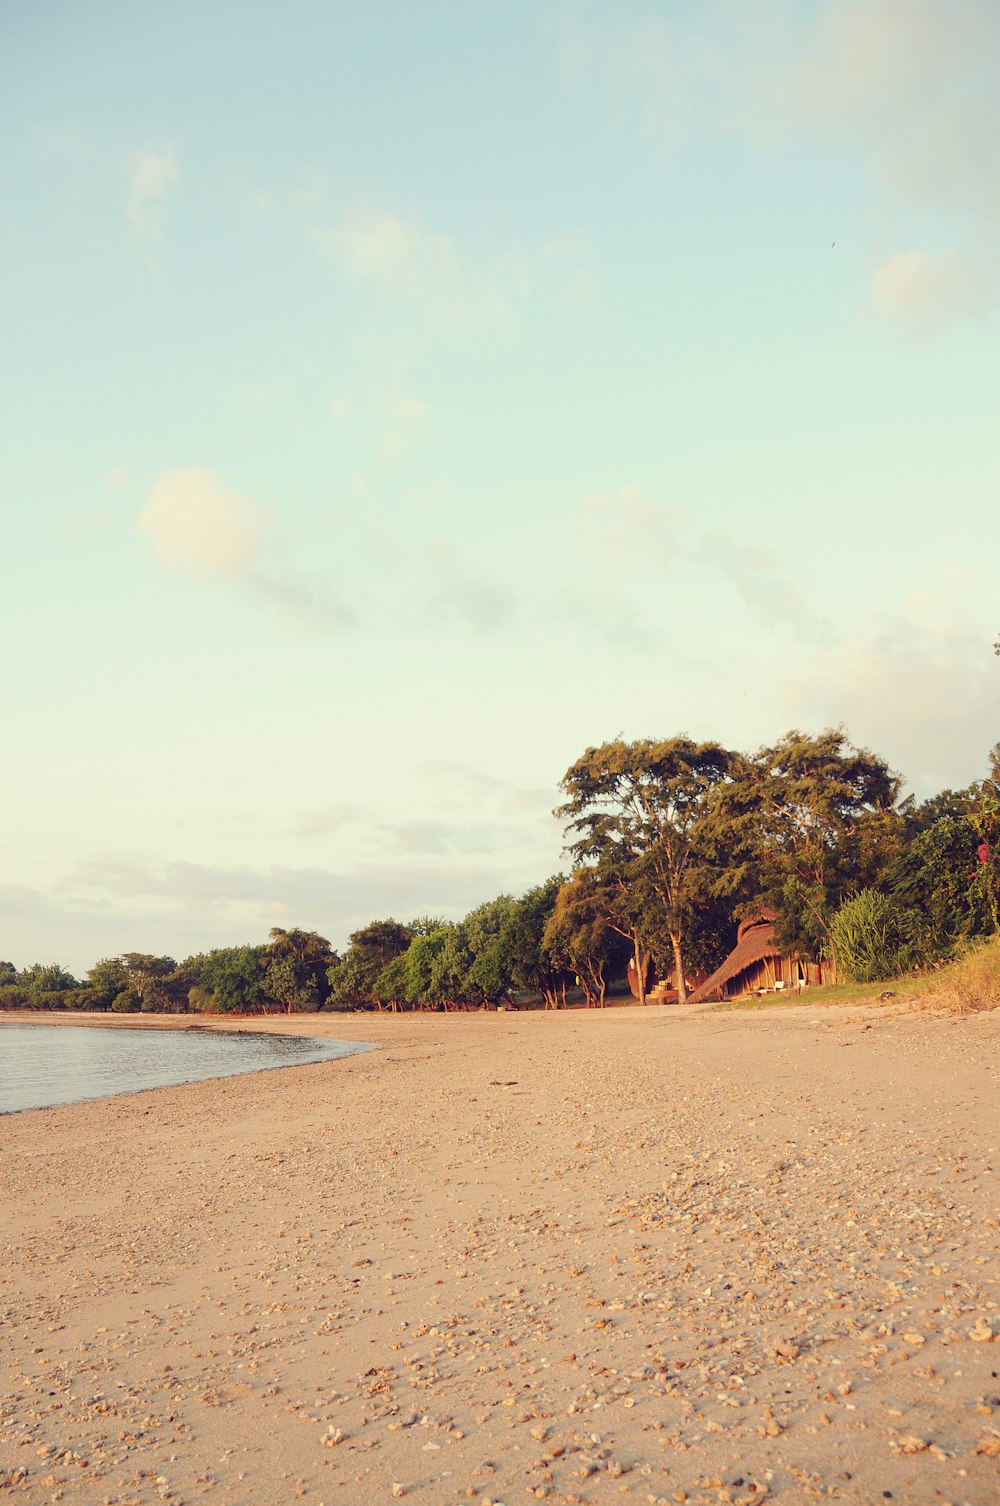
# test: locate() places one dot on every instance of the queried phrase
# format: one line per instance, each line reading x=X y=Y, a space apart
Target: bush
x=874 y=938
x=126 y=1002
x=971 y=983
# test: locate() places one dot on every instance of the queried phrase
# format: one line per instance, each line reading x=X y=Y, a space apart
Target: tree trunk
x=640 y=970
x=679 y=983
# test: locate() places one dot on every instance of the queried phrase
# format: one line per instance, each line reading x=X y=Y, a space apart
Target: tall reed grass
x=969 y=984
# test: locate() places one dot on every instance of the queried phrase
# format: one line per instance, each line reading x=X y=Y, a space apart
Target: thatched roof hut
x=757 y=965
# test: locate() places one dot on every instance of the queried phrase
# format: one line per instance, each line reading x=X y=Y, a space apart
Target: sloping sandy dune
x=637 y=1256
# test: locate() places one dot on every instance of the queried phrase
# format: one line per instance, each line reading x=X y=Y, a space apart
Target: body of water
x=45 y=1065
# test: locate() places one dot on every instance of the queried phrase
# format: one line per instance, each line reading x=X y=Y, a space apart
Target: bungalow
x=757 y=965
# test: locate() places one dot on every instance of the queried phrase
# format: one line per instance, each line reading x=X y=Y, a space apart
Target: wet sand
x=636 y=1255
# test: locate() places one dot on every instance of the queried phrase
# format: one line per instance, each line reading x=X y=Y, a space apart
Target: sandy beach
x=635 y=1255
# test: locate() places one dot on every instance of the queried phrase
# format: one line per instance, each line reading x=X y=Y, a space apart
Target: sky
x=399 y=400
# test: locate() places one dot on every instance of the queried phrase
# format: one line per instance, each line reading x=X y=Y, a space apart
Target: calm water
x=43 y=1065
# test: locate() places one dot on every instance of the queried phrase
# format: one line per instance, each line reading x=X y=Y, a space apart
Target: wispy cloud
x=920 y=685
x=459 y=592
x=910 y=87
x=644 y=67
x=323 y=820
x=250 y=900
x=199 y=526
x=905 y=88
x=154 y=176
x=626 y=530
x=922 y=288
x=402 y=260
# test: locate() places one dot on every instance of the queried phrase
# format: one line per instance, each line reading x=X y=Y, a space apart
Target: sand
x=634 y=1256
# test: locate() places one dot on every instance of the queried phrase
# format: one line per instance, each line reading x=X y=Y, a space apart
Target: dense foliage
x=674 y=842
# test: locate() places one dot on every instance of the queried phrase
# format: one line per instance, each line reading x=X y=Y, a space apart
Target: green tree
x=296 y=967
x=480 y=968
x=579 y=934
x=645 y=815
x=229 y=980
x=390 y=989
x=920 y=817
x=46 y=978
x=426 y=962
x=104 y=982
x=148 y=979
x=950 y=874
x=352 y=981
x=815 y=820
x=989 y=787
x=533 y=966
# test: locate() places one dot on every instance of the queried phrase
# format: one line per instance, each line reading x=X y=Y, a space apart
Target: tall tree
x=990 y=786
x=580 y=935
x=643 y=814
x=488 y=976
x=534 y=966
x=426 y=963
x=149 y=978
x=230 y=980
x=817 y=822
x=369 y=949
x=296 y=969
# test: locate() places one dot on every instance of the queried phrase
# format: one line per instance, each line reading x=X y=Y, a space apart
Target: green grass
x=970 y=983
x=828 y=993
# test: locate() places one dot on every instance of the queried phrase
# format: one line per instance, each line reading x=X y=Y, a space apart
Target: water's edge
x=56 y=1086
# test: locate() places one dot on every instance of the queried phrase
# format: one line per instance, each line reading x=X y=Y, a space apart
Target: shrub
x=971 y=983
x=874 y=938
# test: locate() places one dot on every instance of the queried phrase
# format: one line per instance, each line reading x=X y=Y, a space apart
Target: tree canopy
x=673 y=842
x=643 y=814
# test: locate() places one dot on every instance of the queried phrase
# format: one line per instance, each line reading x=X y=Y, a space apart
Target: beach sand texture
x=642 y=1256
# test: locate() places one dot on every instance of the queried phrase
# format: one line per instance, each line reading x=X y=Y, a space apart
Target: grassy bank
x=969 y=984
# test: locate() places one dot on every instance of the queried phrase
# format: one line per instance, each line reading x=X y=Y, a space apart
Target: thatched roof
x=754 y=941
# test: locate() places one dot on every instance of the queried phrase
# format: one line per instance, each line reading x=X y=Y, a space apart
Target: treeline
x=673 y=843
x=498 y=953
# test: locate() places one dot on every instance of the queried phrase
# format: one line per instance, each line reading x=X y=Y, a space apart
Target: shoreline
x=588 y=1256
x=309 y=1050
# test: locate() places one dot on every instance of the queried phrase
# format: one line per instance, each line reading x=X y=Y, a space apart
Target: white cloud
x=922 y=288
x=404 y=416
x=392 y=251
x=907 y=88
x=402 y=260
x=910 y=86
x=919 y=686
x=199 y=525
x=620 y=529
x=410 y=410
x=155 y=174
x=625 y=532
x=456 y=592
x=325 y=820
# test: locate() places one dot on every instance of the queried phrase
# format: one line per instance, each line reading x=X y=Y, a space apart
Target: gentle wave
x=42 y=1066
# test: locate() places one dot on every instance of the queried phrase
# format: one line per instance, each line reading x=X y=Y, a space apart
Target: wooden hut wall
x=767 y=971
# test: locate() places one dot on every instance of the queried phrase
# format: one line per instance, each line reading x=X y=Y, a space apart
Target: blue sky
x=400 y=399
